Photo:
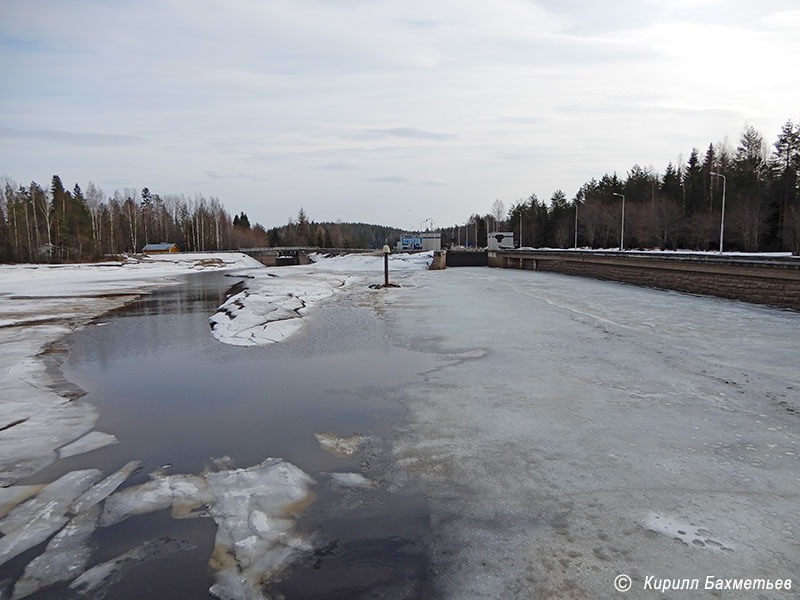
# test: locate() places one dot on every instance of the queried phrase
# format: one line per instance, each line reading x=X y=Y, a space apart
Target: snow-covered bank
x=38 y=305
x=271 y=307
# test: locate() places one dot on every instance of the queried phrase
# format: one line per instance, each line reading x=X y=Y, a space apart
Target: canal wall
x=439 y=261
x=466 y=258
x=763 y=280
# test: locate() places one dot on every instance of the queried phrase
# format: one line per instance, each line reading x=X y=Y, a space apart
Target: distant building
x=420 y=241
x=160 y=248
x=497 y=240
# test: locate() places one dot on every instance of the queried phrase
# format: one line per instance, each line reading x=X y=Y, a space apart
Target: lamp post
x=386 y=265
x=576 y=223
x=722 y=220
x=622 y=226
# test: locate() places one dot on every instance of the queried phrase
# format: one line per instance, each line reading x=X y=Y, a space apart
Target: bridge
x=295 y=255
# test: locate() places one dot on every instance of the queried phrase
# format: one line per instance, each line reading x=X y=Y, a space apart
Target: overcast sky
x=382 y=111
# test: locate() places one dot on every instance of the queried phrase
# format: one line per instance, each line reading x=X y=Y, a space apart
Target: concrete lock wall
x=775 y=281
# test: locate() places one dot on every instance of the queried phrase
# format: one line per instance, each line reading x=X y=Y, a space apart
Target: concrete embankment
x=763 y=280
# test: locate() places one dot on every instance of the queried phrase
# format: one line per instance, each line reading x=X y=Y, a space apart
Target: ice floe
x=254 y=508
x=105 y=488
x=55 y=499
x=341 y=446
x=353 y=480
x=65 y=557
x=95 y=582
x=254 y=511
x=91 y=441
x=181 y=493
x=16 y=494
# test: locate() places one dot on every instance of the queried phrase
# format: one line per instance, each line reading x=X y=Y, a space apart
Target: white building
x=420 y=241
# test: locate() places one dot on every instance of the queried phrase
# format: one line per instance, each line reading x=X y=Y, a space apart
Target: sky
x=382 y=111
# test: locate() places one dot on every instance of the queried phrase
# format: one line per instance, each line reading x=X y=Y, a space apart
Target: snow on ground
x=602 y=422
x=38 y=305
x=271 y=307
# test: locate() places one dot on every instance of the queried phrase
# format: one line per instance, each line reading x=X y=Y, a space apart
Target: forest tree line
x=56 y=224
x=679 y=208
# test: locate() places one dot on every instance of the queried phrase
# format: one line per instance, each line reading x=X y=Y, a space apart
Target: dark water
x=173 y=395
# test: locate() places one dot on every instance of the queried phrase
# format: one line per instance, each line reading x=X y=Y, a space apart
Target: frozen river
x=607 y=430
x=511 y=435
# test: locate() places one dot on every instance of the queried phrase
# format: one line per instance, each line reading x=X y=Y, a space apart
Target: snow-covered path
x=607 y=429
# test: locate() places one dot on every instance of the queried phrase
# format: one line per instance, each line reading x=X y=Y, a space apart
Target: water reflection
x=173 y=395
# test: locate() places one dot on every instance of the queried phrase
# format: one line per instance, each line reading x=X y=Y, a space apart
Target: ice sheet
x=595 y=406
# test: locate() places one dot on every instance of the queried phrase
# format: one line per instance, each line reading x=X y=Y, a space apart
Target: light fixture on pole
x=622 y=226
x=386 y=251
x=576 y=223
x=722 y=219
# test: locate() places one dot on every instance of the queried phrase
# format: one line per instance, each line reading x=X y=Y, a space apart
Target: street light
x=386 y=251
x=622 y=227
x=576 y=223
x=722 y=220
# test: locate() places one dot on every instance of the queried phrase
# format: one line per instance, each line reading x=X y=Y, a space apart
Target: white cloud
x=275 y=105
